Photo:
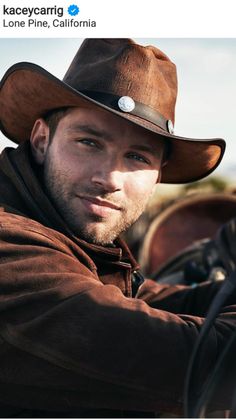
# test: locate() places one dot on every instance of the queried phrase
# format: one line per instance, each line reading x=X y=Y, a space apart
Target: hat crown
x=123 y=68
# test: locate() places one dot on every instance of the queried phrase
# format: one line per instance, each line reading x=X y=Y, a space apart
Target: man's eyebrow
x=89 y=130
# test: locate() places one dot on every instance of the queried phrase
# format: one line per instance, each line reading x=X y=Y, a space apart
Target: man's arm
x=181 y=298
x=69 y=341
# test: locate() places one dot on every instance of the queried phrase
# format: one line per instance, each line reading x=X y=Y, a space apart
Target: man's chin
x=97 y=240
x=93 y=236
x=101 y=233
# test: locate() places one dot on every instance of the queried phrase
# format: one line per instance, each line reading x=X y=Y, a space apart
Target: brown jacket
x=73 y=339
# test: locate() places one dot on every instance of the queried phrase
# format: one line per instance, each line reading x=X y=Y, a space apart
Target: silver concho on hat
x=170 y=126
x=126 y=104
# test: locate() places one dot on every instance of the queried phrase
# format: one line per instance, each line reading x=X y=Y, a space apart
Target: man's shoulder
x=20 y=227
x=12 y=219
x=24 y=234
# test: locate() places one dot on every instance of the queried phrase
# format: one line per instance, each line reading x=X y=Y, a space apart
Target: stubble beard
x=91 y=228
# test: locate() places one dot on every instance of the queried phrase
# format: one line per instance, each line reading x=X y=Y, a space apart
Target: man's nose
x=109 y=176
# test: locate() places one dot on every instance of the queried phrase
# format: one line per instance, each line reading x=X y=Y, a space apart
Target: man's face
x=99 y=171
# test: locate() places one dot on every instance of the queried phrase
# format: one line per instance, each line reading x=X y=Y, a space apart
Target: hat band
x=140 y=110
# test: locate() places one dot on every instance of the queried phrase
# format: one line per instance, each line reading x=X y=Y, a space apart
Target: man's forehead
x=91 y=129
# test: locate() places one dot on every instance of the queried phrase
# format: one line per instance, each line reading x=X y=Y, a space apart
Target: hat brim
x=27 y=91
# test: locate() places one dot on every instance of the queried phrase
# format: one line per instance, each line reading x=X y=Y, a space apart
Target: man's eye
x=138 y=157
x=88 y=142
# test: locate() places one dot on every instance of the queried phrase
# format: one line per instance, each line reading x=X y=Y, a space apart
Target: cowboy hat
x=132 y=81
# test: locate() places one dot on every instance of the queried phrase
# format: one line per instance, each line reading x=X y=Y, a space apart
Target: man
x=81 y=333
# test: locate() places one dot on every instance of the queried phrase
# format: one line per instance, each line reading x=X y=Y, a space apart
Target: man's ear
x=39 y=140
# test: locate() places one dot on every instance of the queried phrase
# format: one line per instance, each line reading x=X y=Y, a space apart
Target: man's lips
x=101 y=202
x=99 y=206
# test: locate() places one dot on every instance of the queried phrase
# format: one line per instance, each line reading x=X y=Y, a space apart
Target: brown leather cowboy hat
x=132 y=81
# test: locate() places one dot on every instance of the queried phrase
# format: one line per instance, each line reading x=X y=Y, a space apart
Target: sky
x=206 y=68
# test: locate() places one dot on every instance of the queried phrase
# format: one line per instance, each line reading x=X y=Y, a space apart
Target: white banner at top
x=123 y=18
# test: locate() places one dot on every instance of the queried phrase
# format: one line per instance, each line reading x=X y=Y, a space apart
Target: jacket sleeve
x=181 y=298
x=69 y=341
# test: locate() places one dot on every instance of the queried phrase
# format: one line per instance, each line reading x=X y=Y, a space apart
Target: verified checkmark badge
x=73 y=10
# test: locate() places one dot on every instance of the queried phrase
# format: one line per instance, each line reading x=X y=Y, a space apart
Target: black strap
x=141 y=110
